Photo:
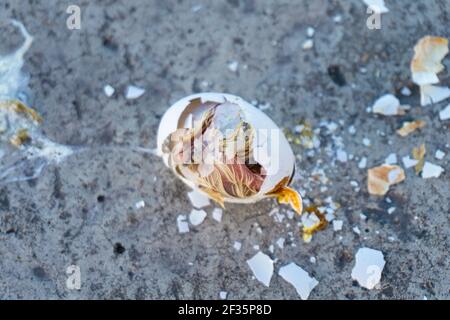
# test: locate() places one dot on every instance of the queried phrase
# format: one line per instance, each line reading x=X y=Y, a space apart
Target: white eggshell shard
x=268 y=145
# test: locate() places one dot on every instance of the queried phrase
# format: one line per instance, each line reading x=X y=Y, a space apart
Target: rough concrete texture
x=83 y=211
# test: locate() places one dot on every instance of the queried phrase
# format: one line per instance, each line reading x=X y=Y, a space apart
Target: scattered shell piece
x=356 y=230
x=445 y=114
x=377 y=6
x=280 y=243
x=337 y=225
x=217 y=214
x=337 y=19
x=299 y=278
x=391 y=210
x=198 y=199
x=310 y=32
x=433 y=94
x=362 y=163
x=388 y=105
x=134 y=92
x=197 y=217
x=439 y=154
x=419 y=155
x=431 y=170
x=368 y=267
x=183 y=226
x=262 y=267
x=426 y=64
x=409 y=127
x=308 y=44
x=382 y=177
x=140 y=204
x=223 y=295
x=237 y=245
x=391 y=159
x=341 y=155
x=366 y=142
x=108 y=90
x=233 y=66
x=406 y=91
x=312 y=259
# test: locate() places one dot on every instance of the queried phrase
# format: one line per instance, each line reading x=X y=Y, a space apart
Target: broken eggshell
x=200 y=116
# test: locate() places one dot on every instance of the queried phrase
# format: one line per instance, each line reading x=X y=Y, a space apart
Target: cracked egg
x=226 y=148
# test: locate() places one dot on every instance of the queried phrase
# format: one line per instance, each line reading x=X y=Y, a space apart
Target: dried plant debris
x=313 y=221
x=299 y=278
x=427 y=62
x=262 y=267
x=389 y=105
x=409 y=127
x=26 y=149
x=419 y=155
x=368 y=267
x=381 y=178
x=226 y=148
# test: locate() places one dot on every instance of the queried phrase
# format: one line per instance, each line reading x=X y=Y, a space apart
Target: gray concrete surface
x=82 y=211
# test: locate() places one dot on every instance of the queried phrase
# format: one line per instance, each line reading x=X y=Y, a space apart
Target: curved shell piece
x=260 y=164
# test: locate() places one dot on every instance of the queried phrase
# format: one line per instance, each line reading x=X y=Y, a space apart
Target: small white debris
x=391 y=159
x=366 y=142
x=445 y=114
x=431 y=170
x=182 y=224
x=408 y=162
x=280 y=243
x=262 y=267
x=237 y=245
x=391 y=210
x=312 y=259
x=196 y=8
x=217 y=214
x=406 y=91
x=337 y=225
x=256 y=247
x=233 y=66
x=271 y=248
x=264 y=106
x=197 y=217
x=337 y=19
x=388 y=105
x=140 y=204
x=362 y=216
x=198 y=200
x=310 y=32
x=108 y=90
x=341 y=155
x=439 y=154
x=354 y=184
x=356 y=230
x=433 y=94
x=299 y=278
x=377 y=6
x=134 y=92
x=362 y=163
x=223 y=295
x=352 y=130
x=308 y=44
x=368 y=267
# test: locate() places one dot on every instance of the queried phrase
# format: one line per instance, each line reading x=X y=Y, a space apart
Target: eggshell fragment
x=426 y=64
x=433 y=94
x=262 y=267
x=227 y=181
x=409 y=127
x=368 y=267
x=299 y=278
x=382 y=177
